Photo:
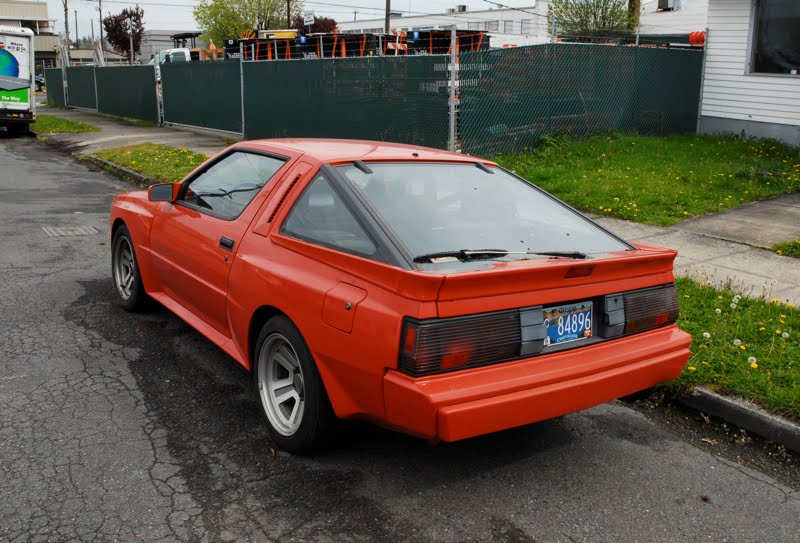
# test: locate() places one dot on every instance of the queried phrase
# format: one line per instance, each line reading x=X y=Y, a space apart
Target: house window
x=525 y=26
x=776 y=46
x=493 y=26
x=476 y=26
x=508 y=27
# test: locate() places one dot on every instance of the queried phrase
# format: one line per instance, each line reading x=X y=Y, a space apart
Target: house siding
x=734 y=99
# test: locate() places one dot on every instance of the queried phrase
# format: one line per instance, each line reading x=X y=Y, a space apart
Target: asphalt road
x=134 y=427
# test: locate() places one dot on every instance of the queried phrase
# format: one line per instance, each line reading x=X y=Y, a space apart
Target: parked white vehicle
x=17 y=104
x=169 y=55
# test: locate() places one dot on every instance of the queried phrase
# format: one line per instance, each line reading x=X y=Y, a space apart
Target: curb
x=745 y=415
x=119 y=171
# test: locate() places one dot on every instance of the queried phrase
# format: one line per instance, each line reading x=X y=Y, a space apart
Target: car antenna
x=361 y=166
x=484 y=167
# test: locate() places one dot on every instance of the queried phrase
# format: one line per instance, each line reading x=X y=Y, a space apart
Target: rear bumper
x=474 y=402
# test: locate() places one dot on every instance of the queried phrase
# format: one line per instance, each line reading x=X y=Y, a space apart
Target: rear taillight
x=438 y=345
x=638 y=310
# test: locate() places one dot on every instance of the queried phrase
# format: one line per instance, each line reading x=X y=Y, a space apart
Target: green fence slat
x=127 y=91
x=509 y=98
x=401 y=99
x=204 y=94
x=80 y=87
x=55 y=87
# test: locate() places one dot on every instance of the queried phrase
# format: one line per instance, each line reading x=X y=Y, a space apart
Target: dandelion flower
x=752 y=360
x=733 y=306
x=706 y=335
x=754 y=365
x=718 y=311
x=737 y=342
x=691 y=368
x=785 y=335
x=778 y=332
x=742 y=347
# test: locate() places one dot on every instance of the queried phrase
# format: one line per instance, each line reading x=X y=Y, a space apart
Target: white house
x=751 y=82
x=672 y=16
x=524 y=25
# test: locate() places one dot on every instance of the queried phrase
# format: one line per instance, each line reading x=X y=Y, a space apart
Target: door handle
x=226 y=243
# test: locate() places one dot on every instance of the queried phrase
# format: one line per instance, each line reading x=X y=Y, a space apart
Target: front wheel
x=125 y=271
x=290 y=390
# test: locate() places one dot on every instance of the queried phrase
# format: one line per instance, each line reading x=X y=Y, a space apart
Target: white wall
x=523 y=26
x=729 y=91
x=690 y=16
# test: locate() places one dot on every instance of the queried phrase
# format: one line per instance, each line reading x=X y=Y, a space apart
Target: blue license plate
x=565 y=323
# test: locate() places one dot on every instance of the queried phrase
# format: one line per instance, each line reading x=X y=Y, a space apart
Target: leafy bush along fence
x=508 y=97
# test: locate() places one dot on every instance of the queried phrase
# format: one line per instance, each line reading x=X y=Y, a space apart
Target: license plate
x=565 y=323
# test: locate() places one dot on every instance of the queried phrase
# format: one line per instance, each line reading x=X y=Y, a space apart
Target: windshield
x=445 y=207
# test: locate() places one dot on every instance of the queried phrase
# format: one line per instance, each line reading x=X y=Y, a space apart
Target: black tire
x=315 y=418
x=130 y=290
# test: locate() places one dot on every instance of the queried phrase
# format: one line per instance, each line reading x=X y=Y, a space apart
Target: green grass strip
x=658 y=180
x=788 y=248
x=744 y=346
x=49 y=124
x=160 y=162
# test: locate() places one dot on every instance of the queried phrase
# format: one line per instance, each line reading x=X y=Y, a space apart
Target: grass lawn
x=658 y=180
x=789 y=248
x=748 y=347
x=160 y=162
x=48 y=124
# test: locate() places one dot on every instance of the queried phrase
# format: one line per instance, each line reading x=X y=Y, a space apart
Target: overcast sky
x=177 y=14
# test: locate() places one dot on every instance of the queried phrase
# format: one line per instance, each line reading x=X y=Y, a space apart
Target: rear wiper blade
x=467 y=254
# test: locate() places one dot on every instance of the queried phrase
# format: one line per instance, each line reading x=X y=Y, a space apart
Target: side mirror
x=163 y=192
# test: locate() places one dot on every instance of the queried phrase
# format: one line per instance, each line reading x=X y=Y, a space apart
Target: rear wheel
x=290 y=390
x=125 y=271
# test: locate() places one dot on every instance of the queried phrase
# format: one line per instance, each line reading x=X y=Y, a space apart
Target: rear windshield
x=442 y=207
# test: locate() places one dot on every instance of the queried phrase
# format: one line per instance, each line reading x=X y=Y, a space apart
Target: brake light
x=638 y=310
x=441 y=345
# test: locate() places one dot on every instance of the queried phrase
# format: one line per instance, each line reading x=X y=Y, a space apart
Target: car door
x=194 y=240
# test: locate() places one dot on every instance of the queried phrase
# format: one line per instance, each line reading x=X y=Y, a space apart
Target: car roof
x=340 y=150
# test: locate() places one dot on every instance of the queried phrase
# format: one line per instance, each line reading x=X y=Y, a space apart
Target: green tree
x=587 y=18
x=222 y=19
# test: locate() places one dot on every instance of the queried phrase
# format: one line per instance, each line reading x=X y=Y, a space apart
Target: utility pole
x=66 y=20
x=288 y=13
x=354 y=15
x=100 y=9
x=77 y=39
x=388 y=11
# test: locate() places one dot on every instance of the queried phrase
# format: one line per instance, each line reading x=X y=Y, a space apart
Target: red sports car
x=430 y=292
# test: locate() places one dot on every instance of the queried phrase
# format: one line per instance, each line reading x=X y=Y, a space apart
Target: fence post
x=451 y=143
x=64 y=85
x=241 y=82
x=96 y=102
x=702 y=84
x=160 y=118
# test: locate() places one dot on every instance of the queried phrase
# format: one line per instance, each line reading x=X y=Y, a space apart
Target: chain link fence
x=127 y=91
x=402 y=99
x=509 y=98
x=203 y=94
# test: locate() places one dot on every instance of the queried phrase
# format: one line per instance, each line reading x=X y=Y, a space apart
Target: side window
x=320 y=216
x=227 y=187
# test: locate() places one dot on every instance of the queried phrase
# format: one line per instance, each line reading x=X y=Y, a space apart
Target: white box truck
x=17 y=103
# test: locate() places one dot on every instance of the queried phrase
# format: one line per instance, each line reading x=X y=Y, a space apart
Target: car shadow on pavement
x=216 y=435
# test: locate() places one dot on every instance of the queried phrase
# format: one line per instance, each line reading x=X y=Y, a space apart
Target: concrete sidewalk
x=728 y=248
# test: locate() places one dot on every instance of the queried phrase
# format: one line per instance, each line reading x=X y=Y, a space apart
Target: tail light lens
x=441 y=345
x=438 y=345
x=638 y=310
